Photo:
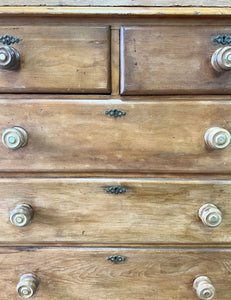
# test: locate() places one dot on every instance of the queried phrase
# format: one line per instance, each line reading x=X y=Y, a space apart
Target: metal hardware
x=116 y=189
x=116 y=259
x=8 y=40
x=28 y=285
x=115 y=113
x=222 y=39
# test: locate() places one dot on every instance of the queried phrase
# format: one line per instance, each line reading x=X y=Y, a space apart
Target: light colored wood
x=77 y=136
x=59 y=58
x=171 y=60
x=197 y=11
x=132 y=3
x=157 y=211
x=115 y=63
x=84 y=273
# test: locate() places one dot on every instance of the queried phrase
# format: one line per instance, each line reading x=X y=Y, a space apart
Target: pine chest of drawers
x=115 y=156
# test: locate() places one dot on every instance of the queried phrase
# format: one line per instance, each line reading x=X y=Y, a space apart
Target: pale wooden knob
x=210 y=215
x=28 y=285
x=14 y=138
x=221 y=59
x=21 y=215
x=9 y=58
x=204 y=288
x=217 y=138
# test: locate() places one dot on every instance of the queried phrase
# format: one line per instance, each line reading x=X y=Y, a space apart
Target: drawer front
x=75 y=135
x=142 y=211
x=87 y=274
x=171 y=60
x=58 y=59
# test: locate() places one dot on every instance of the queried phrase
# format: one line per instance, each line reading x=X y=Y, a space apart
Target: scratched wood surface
x=210 y=3
x=85 y=273
x=171 y=60
x=77 y=136
x=157 y=211
x=59 y=59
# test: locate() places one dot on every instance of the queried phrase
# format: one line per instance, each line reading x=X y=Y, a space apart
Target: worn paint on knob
x=14 y=138
x=21 y=215
x=204 y=288
x=221 y=59
x=210 y=215
x=217 y=138
x=9 y=58
x=28 y=285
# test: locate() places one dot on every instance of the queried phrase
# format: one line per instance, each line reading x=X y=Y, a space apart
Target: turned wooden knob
x=204 y=288
x=210 y=215
x=9 y=58
x=21 y=215
x=14 y=138
x=221 y=59
x=217 y=138
x=28 y=285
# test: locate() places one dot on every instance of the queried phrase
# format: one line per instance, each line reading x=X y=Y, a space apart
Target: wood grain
x=62 y=59
x=171 y=60
x=128 y=11
x=77 y=136
x=156 y=211
x=84 y=273
x=174 y=3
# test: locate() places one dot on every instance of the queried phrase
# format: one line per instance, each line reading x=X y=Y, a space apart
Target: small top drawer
x=54 y=59
x=174 y=60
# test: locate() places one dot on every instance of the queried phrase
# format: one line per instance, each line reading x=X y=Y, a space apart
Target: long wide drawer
x=115 y=211
x=89 y=136
x=55 y=58
x=173 y=60
x=88 y=273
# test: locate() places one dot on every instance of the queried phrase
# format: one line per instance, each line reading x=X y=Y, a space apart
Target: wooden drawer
x=171 y=60
x=58 y=59
x=83 y=211
x=85 y=273
x=77 y=136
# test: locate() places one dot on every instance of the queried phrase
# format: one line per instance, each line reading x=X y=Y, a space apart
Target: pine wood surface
x=174 y=3
x=152 y=211
x=171 y=60
x=77 y=136
x=69 y=135
x=128 y=11
x=84 y=273
x=59 y=59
